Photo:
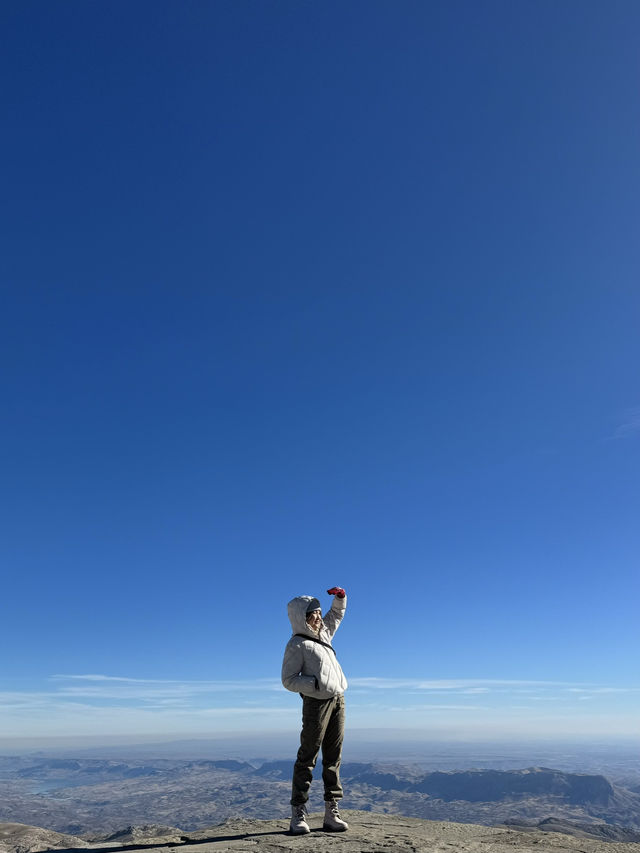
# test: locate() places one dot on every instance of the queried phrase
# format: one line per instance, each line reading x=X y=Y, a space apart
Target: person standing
x=310 y=668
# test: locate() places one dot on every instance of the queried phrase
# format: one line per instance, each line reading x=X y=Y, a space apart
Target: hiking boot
x=298 y=825
x=332 y=820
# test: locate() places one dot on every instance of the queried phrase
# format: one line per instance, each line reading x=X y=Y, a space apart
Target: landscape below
x=112 y=802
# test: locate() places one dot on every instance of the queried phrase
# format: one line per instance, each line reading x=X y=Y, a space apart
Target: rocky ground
x=368 y=833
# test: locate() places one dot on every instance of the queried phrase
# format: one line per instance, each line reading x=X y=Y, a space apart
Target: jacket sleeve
x=334 y=615
x=292 y=678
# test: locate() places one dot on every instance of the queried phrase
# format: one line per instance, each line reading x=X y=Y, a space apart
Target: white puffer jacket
x=308 y=667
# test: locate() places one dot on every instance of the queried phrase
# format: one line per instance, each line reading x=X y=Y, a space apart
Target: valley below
x=92 y=798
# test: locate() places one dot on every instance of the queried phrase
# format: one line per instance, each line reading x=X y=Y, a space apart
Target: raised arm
x=333 y=617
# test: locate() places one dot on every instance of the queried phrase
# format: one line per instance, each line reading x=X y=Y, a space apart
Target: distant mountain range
x=100 y=797
x=488 y=786
x=475 y=786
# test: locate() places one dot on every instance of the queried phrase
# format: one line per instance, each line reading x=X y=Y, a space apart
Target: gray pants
x=322 y=728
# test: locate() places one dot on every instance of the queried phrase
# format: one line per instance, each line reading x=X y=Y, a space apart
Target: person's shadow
x=184 y=841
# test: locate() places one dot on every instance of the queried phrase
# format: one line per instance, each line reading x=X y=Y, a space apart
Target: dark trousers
x=322 y=728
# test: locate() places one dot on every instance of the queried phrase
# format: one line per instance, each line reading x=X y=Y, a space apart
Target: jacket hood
x=297 y=610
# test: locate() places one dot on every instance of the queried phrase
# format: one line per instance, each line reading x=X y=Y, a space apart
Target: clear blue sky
x=299 y=294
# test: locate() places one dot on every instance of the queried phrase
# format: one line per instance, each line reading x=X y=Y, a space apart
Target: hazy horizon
x=271 y=742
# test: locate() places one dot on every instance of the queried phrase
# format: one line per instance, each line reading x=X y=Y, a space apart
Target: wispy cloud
x=603 y=690
x=88 y=703
x=419 y=709
x=117 y=678
x=211 y=684
x=143 y=689
x=457 y=685
x=630 y=423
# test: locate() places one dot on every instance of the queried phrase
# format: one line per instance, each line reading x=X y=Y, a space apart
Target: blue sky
x=296 y=295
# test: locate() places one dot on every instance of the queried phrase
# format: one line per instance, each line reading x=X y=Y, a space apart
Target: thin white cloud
x=451 y=685
x=629 y=425
x=104 y=688
x=603 y=690
x=90 y=677
x=90 y=703
x=417 y=709
x=148 y=689
x=216 y=684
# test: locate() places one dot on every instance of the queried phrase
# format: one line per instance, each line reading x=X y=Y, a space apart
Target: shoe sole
x=334 y=829
x=299 y=831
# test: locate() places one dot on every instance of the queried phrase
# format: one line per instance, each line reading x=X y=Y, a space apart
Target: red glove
x=337 y=590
